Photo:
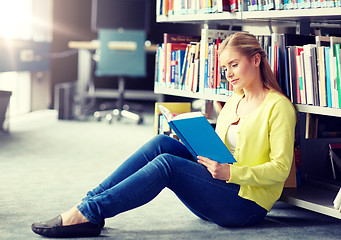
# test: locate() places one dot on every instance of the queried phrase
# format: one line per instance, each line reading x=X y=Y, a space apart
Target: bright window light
x=16 y=19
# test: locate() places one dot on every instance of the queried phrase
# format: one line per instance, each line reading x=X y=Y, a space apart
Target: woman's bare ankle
x=72 y=217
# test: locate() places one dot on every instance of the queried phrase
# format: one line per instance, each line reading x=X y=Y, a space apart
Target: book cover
x=300 y=77
x=196 y=68
x=338 y=71
x=303 y=79
x=286 y=74
x=223 y=6
x=334 y=41
x=185 y=67
x=316 y=82
x=328 y=80
x=332 y=68
x=180 y=59
x=190 y=71
x=322 y=76
x=292 y=74
x=173 y=66
x=197 y=134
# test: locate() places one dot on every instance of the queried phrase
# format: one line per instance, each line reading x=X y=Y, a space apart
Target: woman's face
x=240 y=71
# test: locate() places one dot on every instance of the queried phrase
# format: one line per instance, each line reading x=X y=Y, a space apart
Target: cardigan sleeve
x=281 y=125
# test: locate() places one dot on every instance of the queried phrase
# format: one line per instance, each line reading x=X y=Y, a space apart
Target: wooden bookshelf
x=318 y=198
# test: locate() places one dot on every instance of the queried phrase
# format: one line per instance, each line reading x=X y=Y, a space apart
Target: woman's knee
x=166 y=161
x=162 y=139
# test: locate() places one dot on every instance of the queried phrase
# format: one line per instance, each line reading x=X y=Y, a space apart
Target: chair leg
x=122 y=109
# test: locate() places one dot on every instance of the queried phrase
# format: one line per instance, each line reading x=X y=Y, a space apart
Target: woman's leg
x=211 y=199
x=156 y=146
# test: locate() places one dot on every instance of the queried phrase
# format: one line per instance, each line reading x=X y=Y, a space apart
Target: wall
x=71 y=22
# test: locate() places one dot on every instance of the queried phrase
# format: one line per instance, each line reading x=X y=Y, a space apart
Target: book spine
x=322 y=77
x=173 y=64
x=328 y=80
x=338 y=72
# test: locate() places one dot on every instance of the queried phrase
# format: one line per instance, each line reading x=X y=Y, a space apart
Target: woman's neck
x=255 y=93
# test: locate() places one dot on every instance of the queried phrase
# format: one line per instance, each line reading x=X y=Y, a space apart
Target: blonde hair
x=248 y=45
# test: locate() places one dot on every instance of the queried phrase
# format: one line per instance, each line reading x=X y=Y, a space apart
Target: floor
x=47 y=165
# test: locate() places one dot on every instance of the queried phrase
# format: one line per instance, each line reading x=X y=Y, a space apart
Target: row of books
x=261 y=5
x=191 y=63
x=180 y=7
x=308 y=68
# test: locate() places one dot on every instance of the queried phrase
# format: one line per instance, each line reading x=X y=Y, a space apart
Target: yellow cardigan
x=264 y=148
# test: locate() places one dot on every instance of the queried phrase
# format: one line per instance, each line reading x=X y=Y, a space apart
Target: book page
x=165 y=111
x=169 y=116
x=188 y=115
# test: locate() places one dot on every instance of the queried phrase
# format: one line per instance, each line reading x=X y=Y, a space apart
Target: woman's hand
x=218 y=170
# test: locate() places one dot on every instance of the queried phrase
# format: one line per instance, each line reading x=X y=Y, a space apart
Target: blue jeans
x=165 y=162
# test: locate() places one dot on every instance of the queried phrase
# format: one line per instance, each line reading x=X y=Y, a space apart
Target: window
x=26 y=19
x=29 y=20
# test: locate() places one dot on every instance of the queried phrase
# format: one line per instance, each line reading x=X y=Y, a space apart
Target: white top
x=231 y=138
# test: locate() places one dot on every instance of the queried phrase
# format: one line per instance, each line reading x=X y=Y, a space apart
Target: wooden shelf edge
x=183 y=93
x=312 y=198
x=327 y=111
x=200 y=17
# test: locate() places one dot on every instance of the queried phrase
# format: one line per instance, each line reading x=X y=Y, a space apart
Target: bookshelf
x=316 y=196
x=320 y=15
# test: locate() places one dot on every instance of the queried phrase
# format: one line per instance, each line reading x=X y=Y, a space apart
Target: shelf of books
x=307 y=68
x=212 y=10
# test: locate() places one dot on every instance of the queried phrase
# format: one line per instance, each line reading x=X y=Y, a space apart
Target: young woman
x=257 y=124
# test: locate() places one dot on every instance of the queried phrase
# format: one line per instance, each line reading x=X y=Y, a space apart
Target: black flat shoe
x=102 y=223
x=54 y=229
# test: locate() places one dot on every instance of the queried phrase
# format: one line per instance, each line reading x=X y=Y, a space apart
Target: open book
x=197 y=134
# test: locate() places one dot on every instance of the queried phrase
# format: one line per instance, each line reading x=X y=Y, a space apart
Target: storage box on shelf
x=311 y=194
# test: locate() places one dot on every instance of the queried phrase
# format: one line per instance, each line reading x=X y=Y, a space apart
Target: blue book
x=173 y=68
x=286 y=69
x=197 y=134
x=328 y=86
x=180 y=59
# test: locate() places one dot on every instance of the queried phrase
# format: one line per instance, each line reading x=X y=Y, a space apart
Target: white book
x=158 y=7
x=322 y=77
x=302 y=74
x=307 y=49
x=333 y=78
x=208 y=35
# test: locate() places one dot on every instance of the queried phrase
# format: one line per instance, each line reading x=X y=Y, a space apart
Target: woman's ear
x=257 y=59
